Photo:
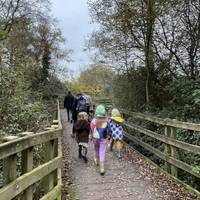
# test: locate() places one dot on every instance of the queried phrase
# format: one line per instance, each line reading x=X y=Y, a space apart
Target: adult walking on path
x=79 y=105
x=88 y=101
x=68 y=103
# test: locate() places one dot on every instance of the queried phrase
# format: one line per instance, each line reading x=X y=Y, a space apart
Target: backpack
x=81 y=105
x=88 y=100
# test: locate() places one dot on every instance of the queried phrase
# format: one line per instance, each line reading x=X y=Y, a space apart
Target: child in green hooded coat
x=99 y=128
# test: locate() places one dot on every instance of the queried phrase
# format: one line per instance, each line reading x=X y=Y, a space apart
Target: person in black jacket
x=68 y=103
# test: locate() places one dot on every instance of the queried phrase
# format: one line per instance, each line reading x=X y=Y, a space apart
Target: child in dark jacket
x=82 y=130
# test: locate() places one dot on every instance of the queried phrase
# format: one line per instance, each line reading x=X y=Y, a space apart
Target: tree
x=154 y=46
x=96 y=81
x=160 y=37
x=119 y=21
x=30 y=48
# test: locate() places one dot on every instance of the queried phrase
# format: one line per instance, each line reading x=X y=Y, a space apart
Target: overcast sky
x=74 y=22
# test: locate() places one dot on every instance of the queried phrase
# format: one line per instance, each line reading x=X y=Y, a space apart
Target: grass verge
x=71 y=192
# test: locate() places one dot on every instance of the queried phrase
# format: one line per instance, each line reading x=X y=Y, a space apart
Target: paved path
x=123 y=179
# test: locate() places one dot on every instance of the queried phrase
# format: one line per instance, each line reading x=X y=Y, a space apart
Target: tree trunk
x=149 y=61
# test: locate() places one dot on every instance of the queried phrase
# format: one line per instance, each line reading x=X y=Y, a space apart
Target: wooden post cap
x=9 y=138
x=55 y=121
x=25 y=134
x=54 y=126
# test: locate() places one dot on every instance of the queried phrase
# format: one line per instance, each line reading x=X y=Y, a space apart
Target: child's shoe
x=80 y=152
x=85 y=159
x=84 y=154
x=119 y=154
x=102 y=169
x=96 y=161
x=111 y=146
x=79 y=155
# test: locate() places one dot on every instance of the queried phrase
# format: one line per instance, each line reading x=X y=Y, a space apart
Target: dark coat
x=68 y=101
x=74 y=106
x=82 y=129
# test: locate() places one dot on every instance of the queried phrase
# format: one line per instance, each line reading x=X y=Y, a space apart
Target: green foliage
x=59 y=197
x=196 y=169
x=31 y=46
x=46 y=58
x=24 y=117
x=154 y=47
x=2 y=33
x=29 y=85
x=96 y=81
x=133 y=97
x=185 y=99
x=33 y=117
x=74 y=87
x=71 y=192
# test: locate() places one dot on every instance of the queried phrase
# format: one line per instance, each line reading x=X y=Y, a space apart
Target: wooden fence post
x=59 y=177
x=174 y=152
x=48 y=181
x=27 y=166
x=10 y=164
x=55 y=151
x=167 y=149
x=10 y=168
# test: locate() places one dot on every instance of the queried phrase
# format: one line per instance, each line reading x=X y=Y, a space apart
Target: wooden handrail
x=18 y=145
x=171 y=144
x=49 y=173
x=165 y=122
x=168 y=138
x=20 y=184
x=169 y=159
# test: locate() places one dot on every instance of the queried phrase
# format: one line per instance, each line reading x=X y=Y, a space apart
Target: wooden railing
x=105 y=101
x=170 y=154
x=20 y=174
x=169 y=138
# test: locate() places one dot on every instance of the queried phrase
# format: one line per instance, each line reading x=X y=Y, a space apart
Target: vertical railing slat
x=10 y=168
x=27 y=166
x=174 y=152
x=59 y=147
x=48 y=181
x=10 y=164
x=167 y=149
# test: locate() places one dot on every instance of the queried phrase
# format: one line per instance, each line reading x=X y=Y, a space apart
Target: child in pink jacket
x=99 y=128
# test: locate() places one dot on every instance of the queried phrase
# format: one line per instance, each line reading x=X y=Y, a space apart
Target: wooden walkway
x=125 y=178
